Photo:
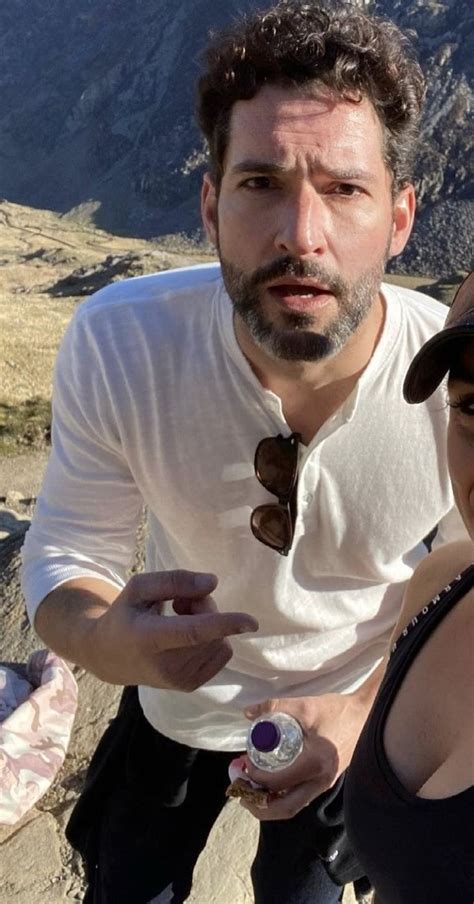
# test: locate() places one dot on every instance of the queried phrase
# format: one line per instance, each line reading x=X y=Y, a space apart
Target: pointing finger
x=158 y=586
x=189 y=630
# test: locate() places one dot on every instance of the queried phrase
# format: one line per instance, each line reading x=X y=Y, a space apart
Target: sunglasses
x=276 y=467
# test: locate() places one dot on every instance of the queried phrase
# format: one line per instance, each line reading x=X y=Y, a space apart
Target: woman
x=409 y=791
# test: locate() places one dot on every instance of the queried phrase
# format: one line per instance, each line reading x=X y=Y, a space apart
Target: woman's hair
x=457 y=368
x=352 y=53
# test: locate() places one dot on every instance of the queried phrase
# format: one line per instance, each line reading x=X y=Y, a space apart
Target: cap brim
x=431 y=364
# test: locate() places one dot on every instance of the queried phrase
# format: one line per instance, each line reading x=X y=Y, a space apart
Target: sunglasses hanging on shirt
x=276 y=468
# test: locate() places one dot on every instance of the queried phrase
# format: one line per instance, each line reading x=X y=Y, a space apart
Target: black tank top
x=414 y=850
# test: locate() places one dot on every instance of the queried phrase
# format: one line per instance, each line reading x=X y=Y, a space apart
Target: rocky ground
x=48 y=264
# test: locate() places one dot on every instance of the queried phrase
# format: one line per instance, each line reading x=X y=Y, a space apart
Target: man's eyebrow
x=258 y=166
x=342 y=175
x=272 y=169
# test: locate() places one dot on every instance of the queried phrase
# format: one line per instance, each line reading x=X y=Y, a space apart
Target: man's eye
x=346 y=189
x=256 y=183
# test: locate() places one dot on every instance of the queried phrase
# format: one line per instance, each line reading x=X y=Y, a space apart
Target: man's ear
x=404 y=207
x=209 y=207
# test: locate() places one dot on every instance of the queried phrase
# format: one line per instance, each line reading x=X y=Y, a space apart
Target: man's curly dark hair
x=353 y=53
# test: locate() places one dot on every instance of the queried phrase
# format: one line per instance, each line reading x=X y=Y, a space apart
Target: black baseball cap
x=431 y=364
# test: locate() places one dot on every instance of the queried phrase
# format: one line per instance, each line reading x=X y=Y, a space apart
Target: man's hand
x=132 y=642
x=331 y=725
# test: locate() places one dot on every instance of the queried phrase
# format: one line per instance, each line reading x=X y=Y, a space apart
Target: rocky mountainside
x=97 y=99
x=445 y=170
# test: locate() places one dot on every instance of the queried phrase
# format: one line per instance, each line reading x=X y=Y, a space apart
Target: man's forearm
x=67 y=616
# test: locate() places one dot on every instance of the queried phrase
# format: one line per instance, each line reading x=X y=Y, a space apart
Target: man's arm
x=66 y=617
x=85 y=521
x=122 y=636
x=82 y=538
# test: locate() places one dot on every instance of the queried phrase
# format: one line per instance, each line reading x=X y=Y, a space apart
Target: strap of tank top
x=416 y=633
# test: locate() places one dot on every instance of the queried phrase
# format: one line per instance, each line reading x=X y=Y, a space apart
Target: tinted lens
x=276 y=464
x=271 y=524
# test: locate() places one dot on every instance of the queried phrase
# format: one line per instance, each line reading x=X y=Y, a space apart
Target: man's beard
x=297 y=339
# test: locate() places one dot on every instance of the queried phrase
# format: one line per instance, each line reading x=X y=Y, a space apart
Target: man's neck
x=311 y=391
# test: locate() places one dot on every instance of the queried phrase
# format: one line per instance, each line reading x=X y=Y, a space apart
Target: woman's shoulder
x=437 y=570
x=432 y=575
x=443 y=678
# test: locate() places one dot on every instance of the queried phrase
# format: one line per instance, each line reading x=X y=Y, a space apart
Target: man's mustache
x=298 y=269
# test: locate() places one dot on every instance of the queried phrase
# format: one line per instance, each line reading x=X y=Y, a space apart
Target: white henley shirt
x=155 y=403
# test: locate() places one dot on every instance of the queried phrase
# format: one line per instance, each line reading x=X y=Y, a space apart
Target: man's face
x=304 y=219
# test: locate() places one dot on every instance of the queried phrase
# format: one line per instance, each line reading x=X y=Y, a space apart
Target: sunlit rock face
x=97 y=100
x=442 y=241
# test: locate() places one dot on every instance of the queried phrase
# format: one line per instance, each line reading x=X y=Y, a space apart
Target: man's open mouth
x=298 y=289
x=299 y=294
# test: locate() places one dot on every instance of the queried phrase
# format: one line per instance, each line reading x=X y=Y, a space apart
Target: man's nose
x=301 y=229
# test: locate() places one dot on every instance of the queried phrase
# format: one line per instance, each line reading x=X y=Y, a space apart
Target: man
x=166 y=386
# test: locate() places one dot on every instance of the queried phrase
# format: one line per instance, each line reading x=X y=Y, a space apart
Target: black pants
x=148 y=807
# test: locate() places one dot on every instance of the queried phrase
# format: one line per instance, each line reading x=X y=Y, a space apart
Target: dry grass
x=38 y=249
x=25 y=426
